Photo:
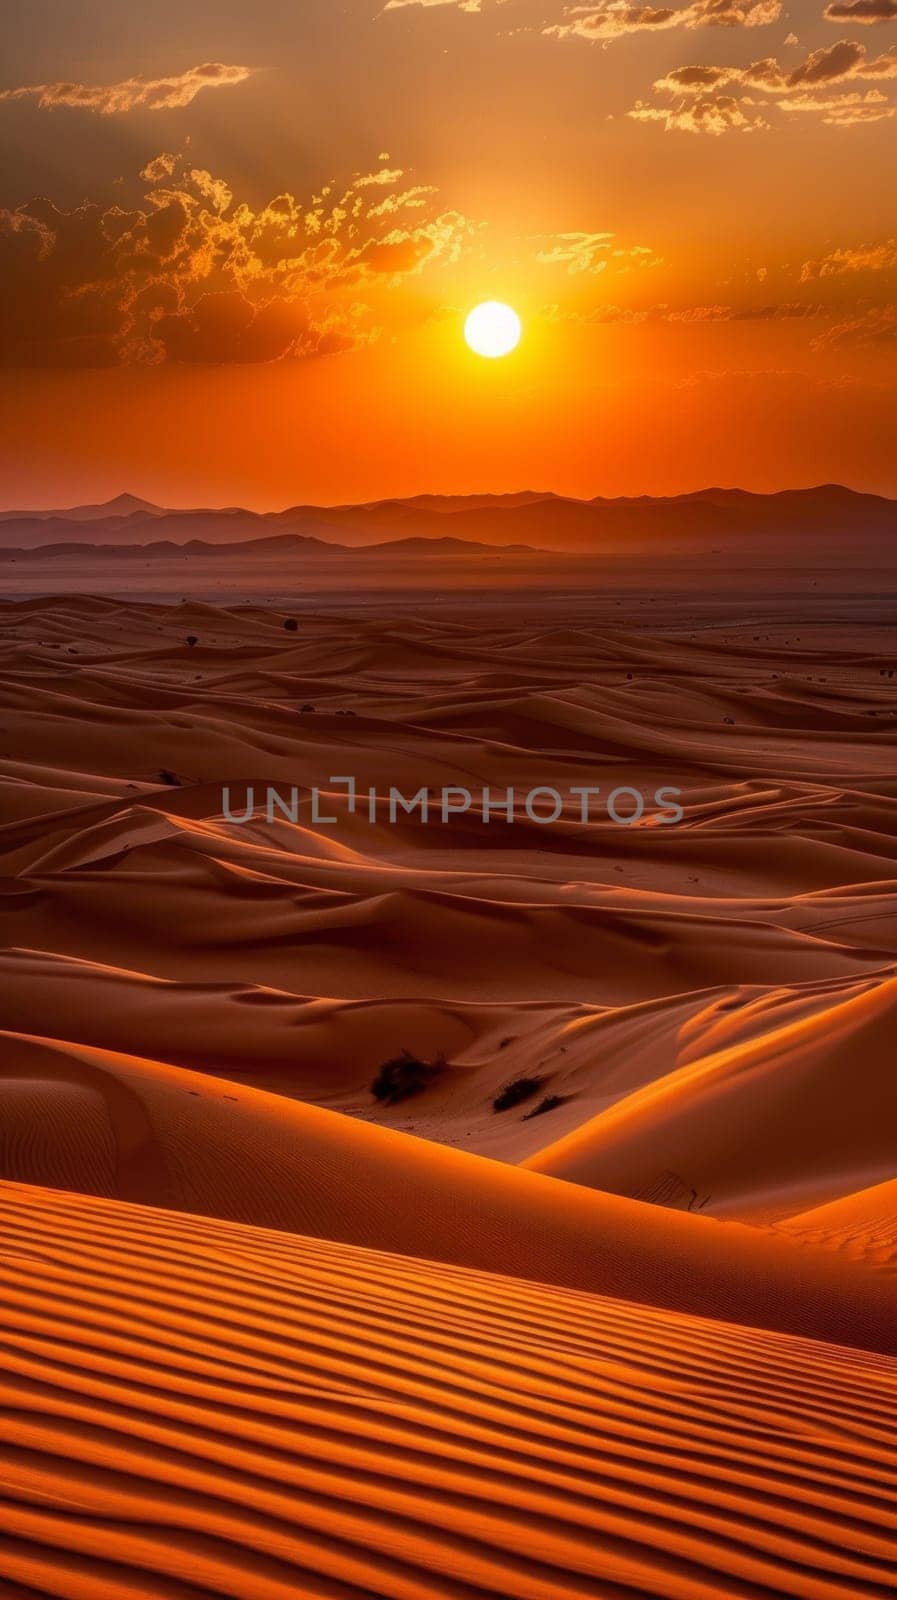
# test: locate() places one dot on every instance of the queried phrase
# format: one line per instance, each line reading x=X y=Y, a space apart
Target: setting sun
x=493 y=329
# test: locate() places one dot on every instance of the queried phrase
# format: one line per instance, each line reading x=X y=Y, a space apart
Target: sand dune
x=676 y=992
x=262 y=1416
x=653 y=1063
x=802 y=1106
x=87 y=1120
x=863 y=1226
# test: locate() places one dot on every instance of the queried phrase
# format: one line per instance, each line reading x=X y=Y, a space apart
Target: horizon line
x=464 y=494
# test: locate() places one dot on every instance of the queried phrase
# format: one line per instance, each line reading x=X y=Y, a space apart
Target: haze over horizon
x=127 y=500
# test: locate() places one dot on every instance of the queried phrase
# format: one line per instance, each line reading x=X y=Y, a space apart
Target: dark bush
x=405 y=1075
x=192 y=640
x=291 y=625
x=550 y=1103
x=513 y=1094
x=306 y=711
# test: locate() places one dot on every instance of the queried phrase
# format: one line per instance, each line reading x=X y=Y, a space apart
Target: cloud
x=462 y=5
x=611 y=19
x=190 y=274
x=883 y=66
x=877 y=326
x=379 y=179
x=589 y=252
x=408 y=200
x=795 y=91
x=636 y=316
x=133 y=94
x=832 y=64
x=710 y=113
x=865 y=11
x=844 y=110
x=829 y=65
x=880 y=257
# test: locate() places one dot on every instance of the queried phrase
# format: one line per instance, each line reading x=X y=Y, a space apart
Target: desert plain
x=455 y=1208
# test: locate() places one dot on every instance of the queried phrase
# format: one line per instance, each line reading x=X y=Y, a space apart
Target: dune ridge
x=673 y=992
x=145 y=1131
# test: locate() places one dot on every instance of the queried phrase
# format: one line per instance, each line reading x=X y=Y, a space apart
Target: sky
x=238 y=245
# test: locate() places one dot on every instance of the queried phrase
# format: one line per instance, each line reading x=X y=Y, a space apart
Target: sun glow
x=493 y=329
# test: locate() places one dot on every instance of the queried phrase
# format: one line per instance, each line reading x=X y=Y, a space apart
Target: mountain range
x=531 y=519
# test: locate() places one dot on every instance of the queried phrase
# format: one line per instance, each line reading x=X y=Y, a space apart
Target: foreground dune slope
x=88 y=1120
x=862 y=1225
x=801 y=1112
x=201 y=1408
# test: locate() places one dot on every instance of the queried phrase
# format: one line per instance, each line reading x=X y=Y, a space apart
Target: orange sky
x=236 y=253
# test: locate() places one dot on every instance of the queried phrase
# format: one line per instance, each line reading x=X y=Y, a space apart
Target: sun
x=493 y=329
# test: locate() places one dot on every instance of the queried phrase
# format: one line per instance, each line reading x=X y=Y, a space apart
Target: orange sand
x=202 y=1407
x=684 y=1386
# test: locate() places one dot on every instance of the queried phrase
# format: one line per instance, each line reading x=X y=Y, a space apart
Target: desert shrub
x=405 y=1075
x=291 y=625
x=514 y=1093
x=192 y=640
x=550 y=1103
x=306 y=711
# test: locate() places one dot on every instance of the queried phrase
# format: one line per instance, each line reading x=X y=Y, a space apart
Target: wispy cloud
x=603 y=20
x=845 y=110
x=460 y=5
x=880 y=257
x=133 y=94
x=877 y=326
x=636 y=316
x=589 y=252
x=611 y=19
x=707 y=113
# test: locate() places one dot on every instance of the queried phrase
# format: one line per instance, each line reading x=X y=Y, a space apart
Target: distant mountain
x=281 y=544
x=122 y=506
x=708 y=519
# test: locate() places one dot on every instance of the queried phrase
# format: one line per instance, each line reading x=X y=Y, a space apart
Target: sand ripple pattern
x=257 y=1415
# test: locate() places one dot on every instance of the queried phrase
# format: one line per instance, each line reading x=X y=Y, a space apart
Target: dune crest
x=145 y=1131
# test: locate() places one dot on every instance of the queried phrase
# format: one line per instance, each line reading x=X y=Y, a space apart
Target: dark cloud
x=828 y=65
x=188 y=275
x=865 y=11
x=796 y=91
